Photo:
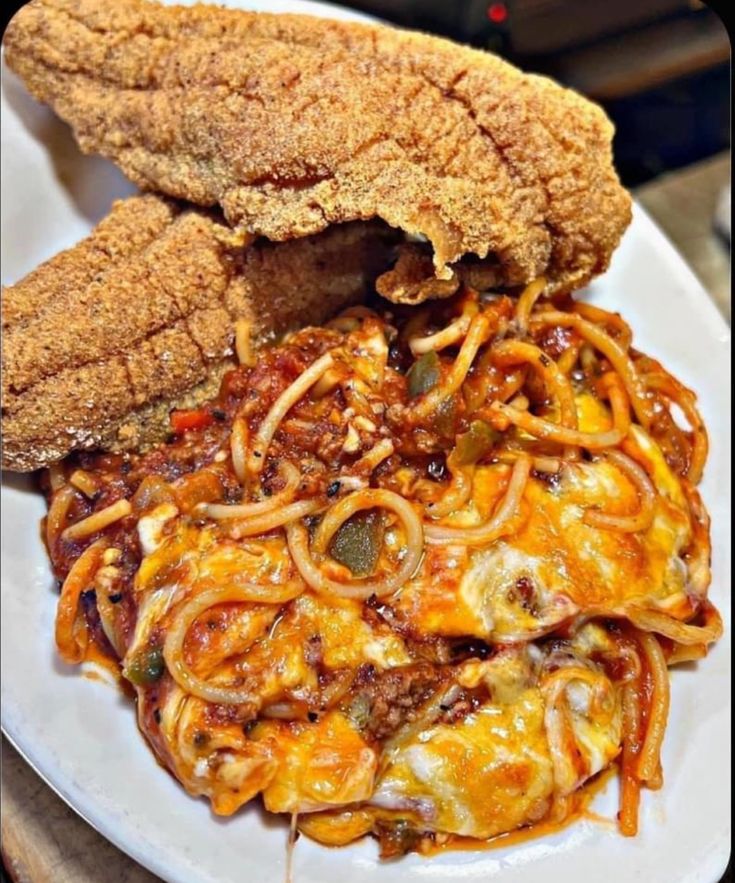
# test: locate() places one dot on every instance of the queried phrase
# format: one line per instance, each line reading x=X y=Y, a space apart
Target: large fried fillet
x=103 y=340
x=292 y=123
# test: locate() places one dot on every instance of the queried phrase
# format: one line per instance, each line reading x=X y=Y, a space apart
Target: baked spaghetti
x=418 y=573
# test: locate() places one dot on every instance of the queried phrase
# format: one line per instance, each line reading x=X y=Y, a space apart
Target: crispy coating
x=104 y=339
x=411 y=280
x=293 y=123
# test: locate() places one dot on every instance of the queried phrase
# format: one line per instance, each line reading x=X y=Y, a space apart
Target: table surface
x=43 y=841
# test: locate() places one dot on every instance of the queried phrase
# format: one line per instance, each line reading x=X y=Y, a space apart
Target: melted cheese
x=243 y=641
x=220 y=762
x=597 y=727
x=556 y=565
x=150 y=527
x=335 y=631
x=320 y=765
x=495 y=769
x=486 y=774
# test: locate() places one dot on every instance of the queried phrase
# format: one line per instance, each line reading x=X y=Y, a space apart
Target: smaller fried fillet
x=411 y=280
x=104 y=339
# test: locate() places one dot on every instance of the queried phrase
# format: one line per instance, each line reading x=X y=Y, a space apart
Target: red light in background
x=497 y=13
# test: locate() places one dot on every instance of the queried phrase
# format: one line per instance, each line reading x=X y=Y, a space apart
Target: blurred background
x=661 y=70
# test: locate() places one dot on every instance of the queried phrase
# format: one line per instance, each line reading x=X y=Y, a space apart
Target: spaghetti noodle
x=465 y=532
x=503 y=521
x=544 y=429
x=647 y=494
x=333 y=520
x=173 y=648
x=649 y=761
x=526 y=303
x=98 y=521
x=221 y=512
x=613 y=351
x=71 y=635
x=476 y=335
x=284 y=403
x=512 y=352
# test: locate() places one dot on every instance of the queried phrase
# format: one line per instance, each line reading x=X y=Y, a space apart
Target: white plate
x=81 y=735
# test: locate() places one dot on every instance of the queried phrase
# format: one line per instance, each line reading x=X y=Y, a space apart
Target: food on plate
x=292 y=123
x=104 y=339
x=418 y=573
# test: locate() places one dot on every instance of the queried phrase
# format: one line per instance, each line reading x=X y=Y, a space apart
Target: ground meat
x=399 y=837
x=381 y=702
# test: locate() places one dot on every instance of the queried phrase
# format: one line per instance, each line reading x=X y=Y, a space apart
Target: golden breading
x=103 y=340
x=292 y=123
x=411 y=279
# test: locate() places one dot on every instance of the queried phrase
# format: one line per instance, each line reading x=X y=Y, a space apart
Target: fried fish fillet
x=292 y=123
x=103 y=340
